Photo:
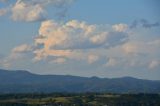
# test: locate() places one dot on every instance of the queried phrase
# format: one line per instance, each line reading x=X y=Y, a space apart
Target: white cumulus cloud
x=33 y=10
x=64 y=39
x=120 y=27
x=24 y=11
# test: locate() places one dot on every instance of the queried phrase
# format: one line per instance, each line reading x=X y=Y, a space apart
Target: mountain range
x=20 y=81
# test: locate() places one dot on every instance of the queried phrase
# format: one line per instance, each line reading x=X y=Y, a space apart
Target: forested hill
x=25 y=82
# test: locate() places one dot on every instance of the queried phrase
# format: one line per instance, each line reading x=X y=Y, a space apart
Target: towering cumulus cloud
x=63 y=39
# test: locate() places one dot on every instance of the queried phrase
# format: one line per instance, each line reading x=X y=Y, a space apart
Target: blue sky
x=106 y=38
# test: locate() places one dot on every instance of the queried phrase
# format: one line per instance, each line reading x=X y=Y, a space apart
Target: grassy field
x=81 y=99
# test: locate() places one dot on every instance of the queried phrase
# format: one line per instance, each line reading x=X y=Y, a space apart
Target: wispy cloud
x=154 y=64
x=4 y=1
x=3 y=11
x=22 y=48
x=144 y=23
x=92 y=58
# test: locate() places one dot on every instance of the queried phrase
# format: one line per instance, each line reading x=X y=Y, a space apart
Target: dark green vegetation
x=25 y=82
x=81 y=99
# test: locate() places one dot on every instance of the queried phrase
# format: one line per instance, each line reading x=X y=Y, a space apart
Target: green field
x=80 y=99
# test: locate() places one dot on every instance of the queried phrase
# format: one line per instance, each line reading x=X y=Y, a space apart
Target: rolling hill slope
x=26 y=82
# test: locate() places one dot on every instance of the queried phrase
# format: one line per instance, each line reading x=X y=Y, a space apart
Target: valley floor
x=80 y=99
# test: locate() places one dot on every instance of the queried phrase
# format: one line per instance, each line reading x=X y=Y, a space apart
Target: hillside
x=25 y=82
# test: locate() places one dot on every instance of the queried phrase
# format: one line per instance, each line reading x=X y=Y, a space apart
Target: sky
x=104 y=38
